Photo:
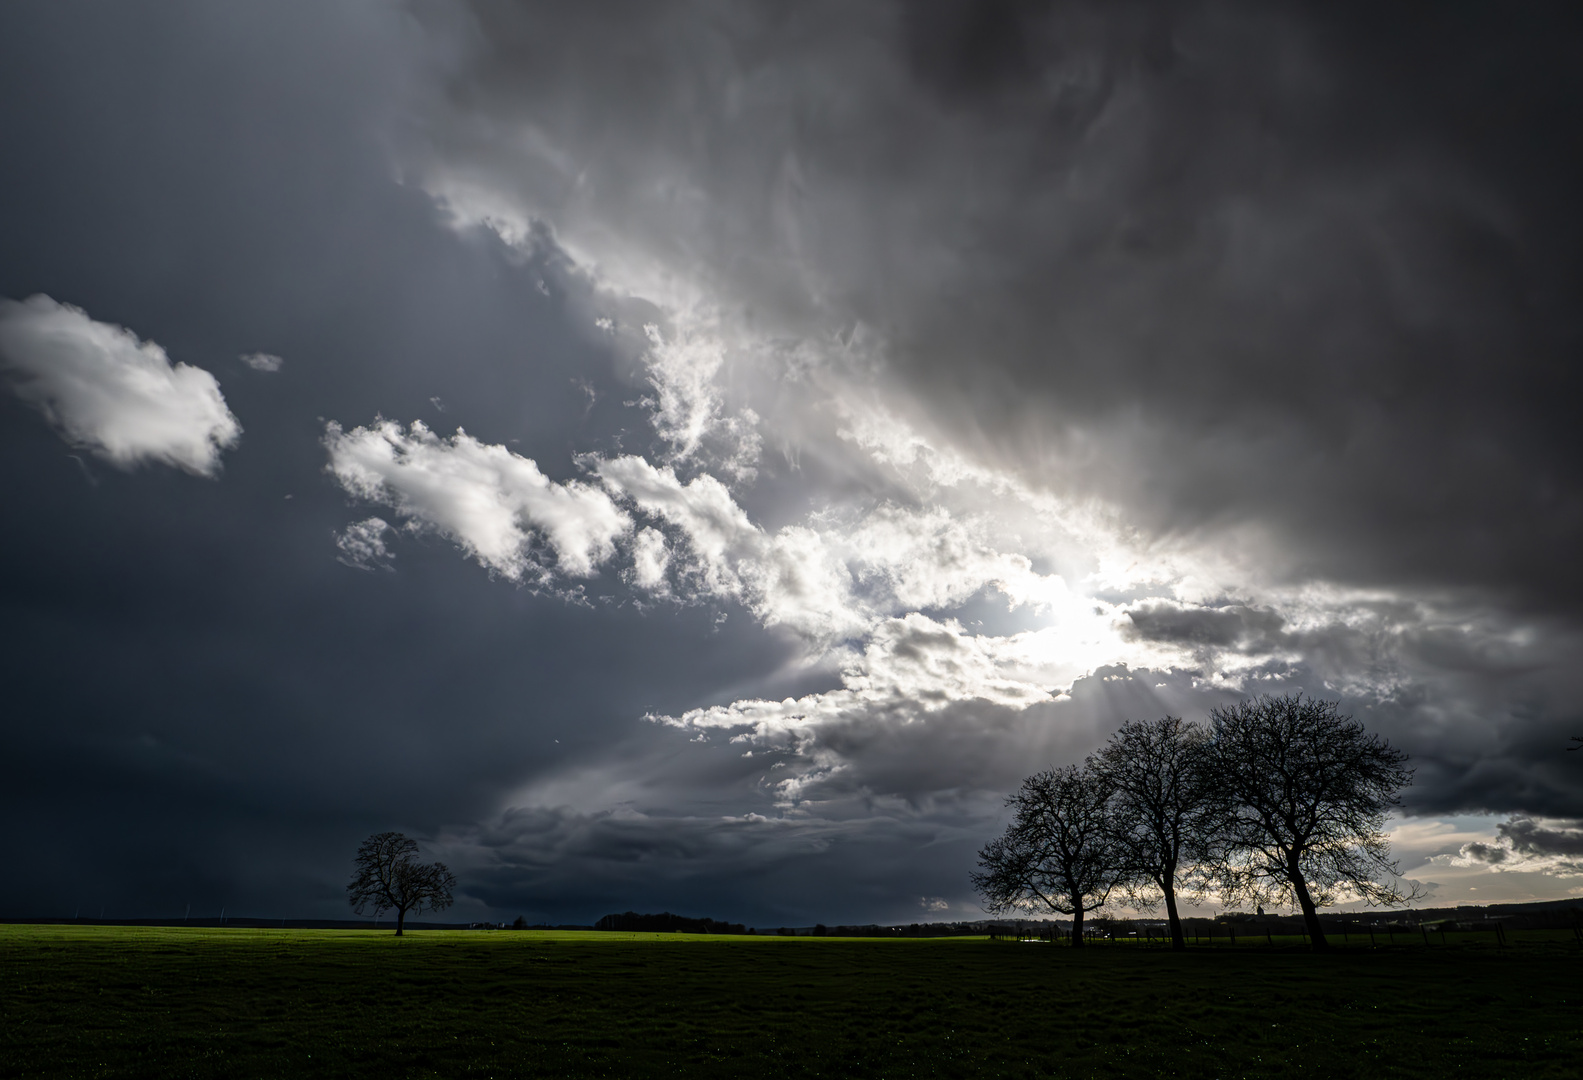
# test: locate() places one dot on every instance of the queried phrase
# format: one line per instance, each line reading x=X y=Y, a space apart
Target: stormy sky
x=702 y=455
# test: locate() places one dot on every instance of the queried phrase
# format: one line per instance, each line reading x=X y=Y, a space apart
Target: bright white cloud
x=650 y=561
x=106 y=390
x=831 y=577
x=910 y=665
x=488 y=500
x=790 y=578
x=682 y=372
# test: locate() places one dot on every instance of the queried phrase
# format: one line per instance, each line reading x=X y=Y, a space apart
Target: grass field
x=235 y=1003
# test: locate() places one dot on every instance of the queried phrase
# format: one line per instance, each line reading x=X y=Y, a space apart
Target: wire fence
x=1215 y=934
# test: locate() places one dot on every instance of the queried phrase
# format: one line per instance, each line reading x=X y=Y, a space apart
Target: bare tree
x=388 y=877
x=1058 y=854
x=1161 y=808
x=1304 y=793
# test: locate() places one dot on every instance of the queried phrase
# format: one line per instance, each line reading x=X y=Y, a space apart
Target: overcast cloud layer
x=701 y=456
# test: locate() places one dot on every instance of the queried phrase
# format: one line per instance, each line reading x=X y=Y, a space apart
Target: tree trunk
x=1178 y=942
x=1316 y=936
x=401 y=920
x=1077 y=925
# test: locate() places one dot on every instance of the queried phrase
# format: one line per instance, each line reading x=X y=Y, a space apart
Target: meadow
x=90 y=1001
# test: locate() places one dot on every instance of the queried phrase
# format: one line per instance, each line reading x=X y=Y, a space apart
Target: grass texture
x=239 y=1003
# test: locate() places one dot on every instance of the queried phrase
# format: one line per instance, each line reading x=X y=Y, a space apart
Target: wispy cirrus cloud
x=268 y=363
x=362 y=544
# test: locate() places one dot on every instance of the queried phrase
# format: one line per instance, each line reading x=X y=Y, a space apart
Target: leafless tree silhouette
x=388 y=877
x=1059 y=853
x=1303 y=796
x=1161 y=809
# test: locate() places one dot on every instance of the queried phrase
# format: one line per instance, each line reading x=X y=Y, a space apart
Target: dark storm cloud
x=1309 y=268
x=203 y=704
x=1529 y=837
x=1295 y=280
x=1292 y=281
x=1522 y=843
x=762 y=870
x=1220 y=627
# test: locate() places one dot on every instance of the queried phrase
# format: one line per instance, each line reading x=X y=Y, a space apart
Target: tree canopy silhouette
x=1303 y=795
x=1161 y=808
x=388 y=877
x=1059 y=853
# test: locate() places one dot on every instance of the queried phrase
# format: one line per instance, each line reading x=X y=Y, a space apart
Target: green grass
x=112 y=1001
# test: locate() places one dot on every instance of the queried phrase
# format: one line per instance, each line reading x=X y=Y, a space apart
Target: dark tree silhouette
x=1303 y=796
x=1161 y=808
x=388 y=877
x=1059 y=853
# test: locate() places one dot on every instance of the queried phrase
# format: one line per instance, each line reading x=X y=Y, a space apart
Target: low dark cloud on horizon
x=913 y=393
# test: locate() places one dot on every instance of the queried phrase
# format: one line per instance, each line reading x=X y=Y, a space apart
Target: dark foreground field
x=101 y=1001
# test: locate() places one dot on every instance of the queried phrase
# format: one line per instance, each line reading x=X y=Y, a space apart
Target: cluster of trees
x=666 y=923
x=1276 y=800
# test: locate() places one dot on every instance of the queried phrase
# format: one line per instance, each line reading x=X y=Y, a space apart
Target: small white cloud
x=650 y=561
x=933 y=903
x=268 y=363
x=485 y=498
x=362 y=545
x=107 y=391
x=682 y=372
x=688 y=404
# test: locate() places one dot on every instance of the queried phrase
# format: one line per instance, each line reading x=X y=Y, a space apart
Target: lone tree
x=1303 y=795
x=388 y=877
x=1058 y=854
x=1161 y=807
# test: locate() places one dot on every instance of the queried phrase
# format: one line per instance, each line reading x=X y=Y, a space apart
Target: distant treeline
x=1553 y=915
x=667 y=923
x=909 y=930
